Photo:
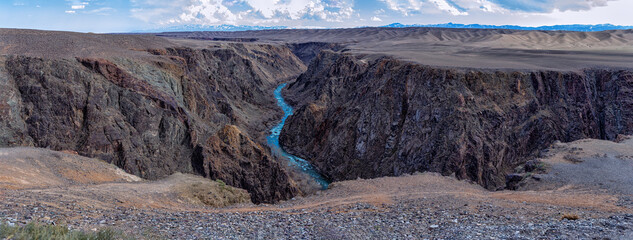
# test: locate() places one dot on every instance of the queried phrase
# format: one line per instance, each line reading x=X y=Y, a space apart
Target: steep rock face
x=68 y=107
x=359 y=118
x=306 y=51
x=237 y=160
x=155 y=115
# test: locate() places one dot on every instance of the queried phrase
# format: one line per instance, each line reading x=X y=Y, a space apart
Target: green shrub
x=222 y=184
x=45 y=231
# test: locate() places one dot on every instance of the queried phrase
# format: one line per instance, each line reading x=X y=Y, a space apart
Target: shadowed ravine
x=273 y=141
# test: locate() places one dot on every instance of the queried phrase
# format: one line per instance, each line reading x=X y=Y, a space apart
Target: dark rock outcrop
x=237 y=160
x=306 y=51
x=370 y=118
x=156 y=114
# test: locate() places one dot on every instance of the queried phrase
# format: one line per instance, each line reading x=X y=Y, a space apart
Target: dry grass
x=569 y=216
x=43 y=231
x=212 y=193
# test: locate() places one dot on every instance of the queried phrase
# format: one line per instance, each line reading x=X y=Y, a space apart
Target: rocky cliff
x=378 y=117
x=155 y=111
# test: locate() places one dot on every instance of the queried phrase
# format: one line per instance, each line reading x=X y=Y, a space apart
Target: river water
x=273 y=141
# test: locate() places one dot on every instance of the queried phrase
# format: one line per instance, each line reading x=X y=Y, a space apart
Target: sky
x=130 y=15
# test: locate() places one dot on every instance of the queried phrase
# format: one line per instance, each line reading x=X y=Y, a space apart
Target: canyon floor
x=65 y=189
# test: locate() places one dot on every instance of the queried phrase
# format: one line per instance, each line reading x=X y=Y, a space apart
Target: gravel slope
x=420 y=206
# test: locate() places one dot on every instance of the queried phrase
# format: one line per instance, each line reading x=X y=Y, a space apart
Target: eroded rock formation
x=175 y=109
x=369 y=118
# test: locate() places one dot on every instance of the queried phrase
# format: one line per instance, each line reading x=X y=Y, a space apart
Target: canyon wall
x=173 y=109
x=381 y=117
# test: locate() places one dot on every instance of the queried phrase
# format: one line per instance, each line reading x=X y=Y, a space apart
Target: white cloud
x=479 y=5
x=206 y=11
x=404 y=6
x=407 y=7
x=240 y=11
x=70 y=12
x=464 y=7
x=102 y=11
x=547 y=6
x=78 y=7
x=616 y=12
x=342 y=13
x=570 y=5
x=444 y=6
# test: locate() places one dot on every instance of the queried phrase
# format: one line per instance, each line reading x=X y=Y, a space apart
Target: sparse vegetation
x=222 y=184
x=572 y=158
x=211 y=194
x=569 y=216
x=45 y=231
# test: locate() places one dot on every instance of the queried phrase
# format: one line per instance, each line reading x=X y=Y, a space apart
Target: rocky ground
x=412 y=219
x=419 y=206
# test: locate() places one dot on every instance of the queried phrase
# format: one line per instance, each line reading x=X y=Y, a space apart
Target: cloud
x=547 y=6
x=450 y=8
x=345 y=13
x=464 y=7
x=76 y=5
x=210 y=12
x=407 y=7
x=104 y=11
x=478 y=5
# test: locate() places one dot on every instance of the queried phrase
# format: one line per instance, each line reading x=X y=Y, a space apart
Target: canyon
x=389 y=116
x=369 y=102
x=151 y=112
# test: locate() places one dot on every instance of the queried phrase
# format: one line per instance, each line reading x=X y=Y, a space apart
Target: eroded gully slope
x=173 y=109
x=382 y=117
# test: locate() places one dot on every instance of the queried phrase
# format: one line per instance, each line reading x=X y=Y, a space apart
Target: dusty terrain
x=412 y=206
x=462 y=48
x=47 y=177
x=587 y=163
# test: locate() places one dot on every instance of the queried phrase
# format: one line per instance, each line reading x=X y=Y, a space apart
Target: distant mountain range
x=232 y=28
x=211 y=28
x=573 y=27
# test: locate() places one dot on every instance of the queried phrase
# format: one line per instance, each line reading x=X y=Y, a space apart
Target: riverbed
x=273 y=142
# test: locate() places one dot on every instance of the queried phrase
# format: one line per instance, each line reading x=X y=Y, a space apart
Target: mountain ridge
x=237 y=28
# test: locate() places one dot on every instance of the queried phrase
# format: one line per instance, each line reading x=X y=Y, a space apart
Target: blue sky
x=129 y=15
